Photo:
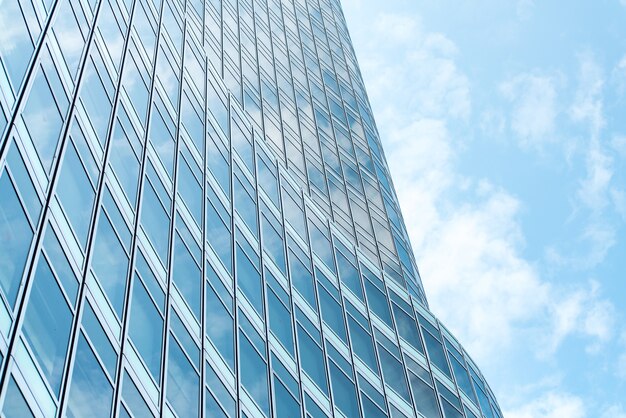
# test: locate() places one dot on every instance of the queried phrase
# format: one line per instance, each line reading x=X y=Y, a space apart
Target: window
x=16 y=236
x=424 y=397
x=156 y=221
x=312 y=359
x=14 y=403
x=219 y=326
x=99 y=340
x=253 y=372
x=249 y=280
x=182 y=382
x=187 y=275
x=43 y=119
x=110 y=263
x=344 y=393
x=146 y=328
x=76 y=193
x=90 y=392
x=47 y=324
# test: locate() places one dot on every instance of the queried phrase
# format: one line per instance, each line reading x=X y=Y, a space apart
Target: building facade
x=197 y=219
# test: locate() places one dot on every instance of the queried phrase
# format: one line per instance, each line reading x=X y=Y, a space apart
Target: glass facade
x=197 y=219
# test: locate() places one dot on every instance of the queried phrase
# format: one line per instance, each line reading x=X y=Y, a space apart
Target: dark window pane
x=344 y=393
x=253 y=373
x=312 y=360
x=424 y=397
x=280 y=321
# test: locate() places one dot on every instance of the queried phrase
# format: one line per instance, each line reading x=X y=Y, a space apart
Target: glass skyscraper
x=197 y=220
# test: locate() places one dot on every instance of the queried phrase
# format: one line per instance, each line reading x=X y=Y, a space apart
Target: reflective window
x=110 y=263
x=249 y=280
x=393 y=373
x=253 y=371
x=90 y=392
x=362 y=344
x=146 y=328
x=100 y=341
x=156 y=221
x=16 y=236
x=76 y=193
x=47 y=324
x=332 y=313
x=14 y=403
x=286 y=405
x=219 y=326
x=16 y=46
x=43 y=119
x=424 y=397
x=133 y=399
x=344 y=394
x=182 y=382
x=187 y=275
x=407 y=328
x=436 y=353
x=312 y=359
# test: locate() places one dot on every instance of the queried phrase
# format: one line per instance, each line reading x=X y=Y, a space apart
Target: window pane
x=249 y=280
x=15 y=236
x=312 y=360
x=393 y=373
x=280 y=321
x=76 y=193
x=110 y=263
x=15 y=405
x=253 y=373
x=436 y=354
x=407 y=328
x=182 y=382
x=187 y=276
x=16 y=46
x=156 y=222
x=90 y=392
x=424 y=397
x=146 y=328
x=135 y=402
x=332 y=313
x=286 y=405
x=43 y=119
x=219 y=326
x=362 y=344
x=47 y=324
x=344 y=394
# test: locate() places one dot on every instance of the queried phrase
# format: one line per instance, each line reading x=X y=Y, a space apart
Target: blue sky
x=504 y=126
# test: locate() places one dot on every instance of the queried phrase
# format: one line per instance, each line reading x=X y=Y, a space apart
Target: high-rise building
x=197 y=219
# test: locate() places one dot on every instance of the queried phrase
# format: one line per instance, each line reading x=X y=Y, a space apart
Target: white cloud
x=551 y=405
x=614 y=411
x=525 y=8
x=534 y=107
x=398 y=28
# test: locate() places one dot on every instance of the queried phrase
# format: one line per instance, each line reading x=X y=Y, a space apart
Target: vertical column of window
x=483 y=400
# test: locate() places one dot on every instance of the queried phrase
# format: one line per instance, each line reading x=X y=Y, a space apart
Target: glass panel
x=462 y=378
x=16 y=236
x=135 y=402
x=286 y=405
x=90 y=392
x=76 y=193
x=362 y=344
x=16 y=46
x=436 y=354
x=280 y=321
x=344 y=394
x=43 y=119
x=332 y=313
x=393 y=373
x=15 y=405
x=146 y=328
x=187 y=276
x=253 y=372
x=156 y=222
x=182 y=382
x=110 y=263
x=424 y=397
x=407 y=328
x=312 y=360
x=47 y=324
x=99 y=339
x=219 y=326
x=249 y=280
